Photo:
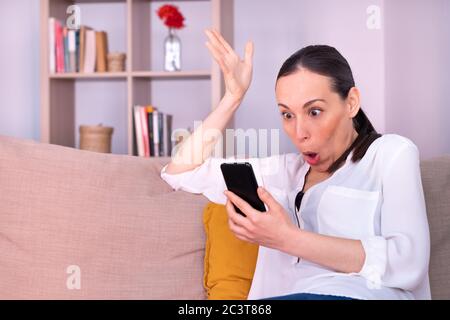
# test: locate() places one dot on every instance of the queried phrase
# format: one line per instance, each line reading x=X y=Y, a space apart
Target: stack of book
x=152 y=132
x=84 y=50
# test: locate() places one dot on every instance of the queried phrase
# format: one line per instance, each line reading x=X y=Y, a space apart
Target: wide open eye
x=287 y=115
x=315 y=112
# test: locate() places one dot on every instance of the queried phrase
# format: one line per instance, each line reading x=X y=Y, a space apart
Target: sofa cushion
x=436 y=185
x=104 y=223
x=229 y=262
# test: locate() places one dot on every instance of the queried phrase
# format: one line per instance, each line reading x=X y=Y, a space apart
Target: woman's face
x=316 y=119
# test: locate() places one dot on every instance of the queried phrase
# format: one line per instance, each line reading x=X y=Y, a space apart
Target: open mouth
x=311 y=157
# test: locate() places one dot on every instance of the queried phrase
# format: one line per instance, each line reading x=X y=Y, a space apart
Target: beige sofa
x=83 y=225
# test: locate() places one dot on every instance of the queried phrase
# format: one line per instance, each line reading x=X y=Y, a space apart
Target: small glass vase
x=172 y=52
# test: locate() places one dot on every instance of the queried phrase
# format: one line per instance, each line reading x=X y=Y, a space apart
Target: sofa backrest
x=436 y=186
x=111 y=220
x=106 y=223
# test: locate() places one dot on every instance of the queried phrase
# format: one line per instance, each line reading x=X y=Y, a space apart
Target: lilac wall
x=19 y=68
x=283 y=27
x=418 y=73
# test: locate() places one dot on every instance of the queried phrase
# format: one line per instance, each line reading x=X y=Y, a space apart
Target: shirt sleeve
x=207 y=179
x=399 y=257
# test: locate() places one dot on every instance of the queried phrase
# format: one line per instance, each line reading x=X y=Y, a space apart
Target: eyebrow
x=304 y=106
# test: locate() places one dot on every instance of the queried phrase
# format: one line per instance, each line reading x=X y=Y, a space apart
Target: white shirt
x=378 y=200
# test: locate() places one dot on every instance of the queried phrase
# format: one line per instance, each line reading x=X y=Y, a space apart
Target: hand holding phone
x=240 y=179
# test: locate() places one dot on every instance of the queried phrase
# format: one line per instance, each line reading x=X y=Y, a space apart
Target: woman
x=346 y=216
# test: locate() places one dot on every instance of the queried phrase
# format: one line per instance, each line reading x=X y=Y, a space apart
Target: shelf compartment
x=67 y=99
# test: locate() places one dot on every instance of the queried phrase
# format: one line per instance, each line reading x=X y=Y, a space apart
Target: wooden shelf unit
x=57 y=105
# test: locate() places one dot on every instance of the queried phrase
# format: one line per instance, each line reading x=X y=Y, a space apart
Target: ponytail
x=366 y=135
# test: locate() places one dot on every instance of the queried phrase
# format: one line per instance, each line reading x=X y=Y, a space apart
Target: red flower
x=171 y=16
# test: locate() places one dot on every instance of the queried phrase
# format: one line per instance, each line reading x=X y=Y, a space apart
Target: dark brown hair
x=327 y=61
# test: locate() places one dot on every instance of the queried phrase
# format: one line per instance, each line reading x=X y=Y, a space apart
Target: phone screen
x=240 y=179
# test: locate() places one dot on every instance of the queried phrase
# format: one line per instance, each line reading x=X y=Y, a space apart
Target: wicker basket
x=96 y=138
x=116 y=62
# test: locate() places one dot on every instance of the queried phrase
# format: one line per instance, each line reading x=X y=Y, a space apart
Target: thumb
x=267 y=198
x=249 y=49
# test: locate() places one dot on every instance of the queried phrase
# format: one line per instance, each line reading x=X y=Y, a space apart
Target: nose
x=301 y=132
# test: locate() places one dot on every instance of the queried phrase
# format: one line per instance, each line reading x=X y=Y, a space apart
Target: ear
x=353 y=102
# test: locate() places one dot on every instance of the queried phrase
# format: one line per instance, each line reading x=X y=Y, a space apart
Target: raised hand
x=237 y=72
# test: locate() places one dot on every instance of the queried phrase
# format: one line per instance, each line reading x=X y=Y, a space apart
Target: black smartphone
x=240 y=179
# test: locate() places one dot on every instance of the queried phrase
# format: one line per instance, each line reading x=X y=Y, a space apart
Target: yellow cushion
x=229 y=262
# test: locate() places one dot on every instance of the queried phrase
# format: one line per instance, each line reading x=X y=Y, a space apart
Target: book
x=160 y=134
x=167 y=135
x=59 y=47
x=156 y=133
x=101 y=50
x=77 y=50
x=52 y=45
x=72 y=51
x=138 y=131
x=82 y=50
x=144 y=125
x=66 y=49
x=150 y=110
x=89 y=55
